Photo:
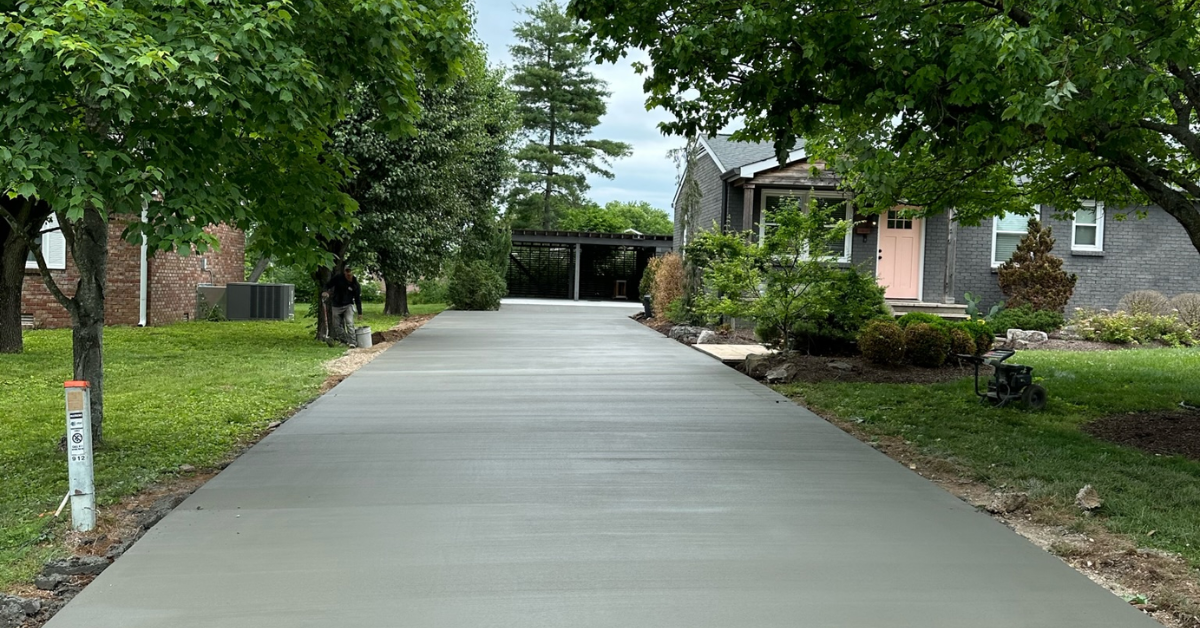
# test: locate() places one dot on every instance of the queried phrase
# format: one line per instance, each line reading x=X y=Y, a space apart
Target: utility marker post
x=79 y=456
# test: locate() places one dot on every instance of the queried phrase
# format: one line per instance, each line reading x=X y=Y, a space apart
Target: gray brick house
x=928 y=264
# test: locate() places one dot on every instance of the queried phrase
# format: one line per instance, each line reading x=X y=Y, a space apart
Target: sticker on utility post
x=79 y=456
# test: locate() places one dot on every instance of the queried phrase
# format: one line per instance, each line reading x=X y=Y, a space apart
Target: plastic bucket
x=363 y=339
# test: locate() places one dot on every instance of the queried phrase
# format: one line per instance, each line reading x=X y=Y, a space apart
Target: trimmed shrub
x=1034 y=276
x=921 y=317
x=1187 y=310
x=846 y=302
x=476 y=285
x=668 y=283
x=430 y=291
x=1125 y=328
x=961 y=342
x=1027 y=318
x=926 y=345
x=980 y=331
x=882 y=341
x=646 y=285
x=1145 y=302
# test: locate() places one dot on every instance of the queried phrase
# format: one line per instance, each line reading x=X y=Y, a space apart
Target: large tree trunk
x=88 y=240
x=259 y=269
x=13 y=251
x=321 y=277
x=396 y=297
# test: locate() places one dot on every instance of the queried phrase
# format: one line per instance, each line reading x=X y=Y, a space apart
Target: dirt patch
x=1158 y=583
x=354 y=359
x=724 y=336
x=1164 y=432
x=812 y=368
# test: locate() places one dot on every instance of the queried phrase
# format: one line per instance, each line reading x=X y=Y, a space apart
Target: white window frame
x=995 y=232
x=54 y=247
x=804 y=197
x=1099 y=225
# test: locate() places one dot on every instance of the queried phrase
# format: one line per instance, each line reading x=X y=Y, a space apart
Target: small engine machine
x=1009 y=382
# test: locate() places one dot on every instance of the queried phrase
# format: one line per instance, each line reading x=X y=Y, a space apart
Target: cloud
x=649 y=174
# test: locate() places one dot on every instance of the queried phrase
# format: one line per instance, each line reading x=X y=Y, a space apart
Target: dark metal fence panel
x=541 y=271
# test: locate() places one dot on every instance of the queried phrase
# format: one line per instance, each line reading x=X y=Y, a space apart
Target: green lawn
x=1045 y=453
x=185 y=393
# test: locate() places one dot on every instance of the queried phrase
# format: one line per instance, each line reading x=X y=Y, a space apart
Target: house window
x=1087 y=229
x=54 y=247
x=1007 y=231
x=772 y=199
x=897 y=221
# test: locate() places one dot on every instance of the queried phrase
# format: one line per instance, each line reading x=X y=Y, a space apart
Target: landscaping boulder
x=49 y=582
x=1004 y=503
x=76 y=566
x=757 y=365
x=1032 y=337
x=841 y=366
x=14 y=610
x=685 y=333
x=781 y=374
x=1088 y=499
x=707 y=337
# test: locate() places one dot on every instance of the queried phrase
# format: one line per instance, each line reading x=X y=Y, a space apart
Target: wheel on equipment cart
x=1034 y=397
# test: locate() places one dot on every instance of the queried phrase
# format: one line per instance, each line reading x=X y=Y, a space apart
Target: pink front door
x=899 y=266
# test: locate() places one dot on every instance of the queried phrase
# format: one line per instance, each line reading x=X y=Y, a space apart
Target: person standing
x=345 y=296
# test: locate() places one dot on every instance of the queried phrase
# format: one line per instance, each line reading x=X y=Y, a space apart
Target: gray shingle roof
x=736 y=154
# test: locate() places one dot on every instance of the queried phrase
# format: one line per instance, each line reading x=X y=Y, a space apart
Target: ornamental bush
x=926 y=345
x=668 y=283
x=961 y=342
x=1034 y=276
x=881 y=341
x=980 y=331
x=1145 y=302
x=1187 y=310
x=476 y=285
x=921 y=317
x=1027 y=318
x=1126 y=328
x=846 y=301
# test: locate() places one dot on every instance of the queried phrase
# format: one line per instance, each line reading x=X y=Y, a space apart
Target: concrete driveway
x=567 y=467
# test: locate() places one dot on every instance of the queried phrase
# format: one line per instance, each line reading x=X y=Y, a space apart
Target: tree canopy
x=618 y=217
x=418 y=195
x=559 y=101
x=976 y=105
x=195 y=116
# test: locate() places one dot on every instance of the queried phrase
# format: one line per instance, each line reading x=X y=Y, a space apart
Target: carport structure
x=579 y=265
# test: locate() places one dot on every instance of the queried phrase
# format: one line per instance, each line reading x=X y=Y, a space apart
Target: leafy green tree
x=417 y=195
x=618 y=217
x=560 y=101
x=195 y=117
x=779 y=283
x=976 y=105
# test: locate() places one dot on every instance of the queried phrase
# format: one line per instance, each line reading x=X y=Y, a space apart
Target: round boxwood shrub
x=981 y=332
x=921 y=317
x=961 y=342
x=882 y=341
x=926 y=345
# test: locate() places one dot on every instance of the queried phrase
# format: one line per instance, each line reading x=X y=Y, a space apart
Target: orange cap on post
x=75 y=384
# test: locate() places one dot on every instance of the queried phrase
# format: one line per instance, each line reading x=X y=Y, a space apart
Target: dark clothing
x=343 y=293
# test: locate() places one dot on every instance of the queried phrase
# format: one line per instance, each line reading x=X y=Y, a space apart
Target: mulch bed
x=813 y=369
x=1167 y=432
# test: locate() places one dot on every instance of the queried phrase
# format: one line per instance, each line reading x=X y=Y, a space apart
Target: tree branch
x=36 y=249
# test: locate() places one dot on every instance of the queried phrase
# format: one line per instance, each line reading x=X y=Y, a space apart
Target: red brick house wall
x=172 y=281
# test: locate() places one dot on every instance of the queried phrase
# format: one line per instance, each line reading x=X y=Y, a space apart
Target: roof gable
x=731 y=154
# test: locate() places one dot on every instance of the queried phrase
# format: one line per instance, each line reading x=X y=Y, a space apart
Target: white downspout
x=144 y=274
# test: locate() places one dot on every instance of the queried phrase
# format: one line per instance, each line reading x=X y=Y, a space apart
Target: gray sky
x=647 y=175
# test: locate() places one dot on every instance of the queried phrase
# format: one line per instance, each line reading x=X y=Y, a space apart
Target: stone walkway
x=567 y=467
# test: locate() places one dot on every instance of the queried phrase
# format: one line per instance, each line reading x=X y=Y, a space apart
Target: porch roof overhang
x=741 y=174
x=585 y=237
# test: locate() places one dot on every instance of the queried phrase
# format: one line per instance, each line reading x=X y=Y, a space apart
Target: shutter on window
x=54 y=246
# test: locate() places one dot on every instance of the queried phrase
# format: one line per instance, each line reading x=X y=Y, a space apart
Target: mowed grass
x=1046 y=453
x=188 y=393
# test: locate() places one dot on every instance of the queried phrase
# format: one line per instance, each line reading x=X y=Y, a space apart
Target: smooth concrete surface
x=565 y=466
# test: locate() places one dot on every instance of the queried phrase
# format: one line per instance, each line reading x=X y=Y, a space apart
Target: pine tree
x=1034 y=276
x=559 y=102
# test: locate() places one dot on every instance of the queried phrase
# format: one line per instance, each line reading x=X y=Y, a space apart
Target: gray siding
x=709 y=179
x=1151 y=253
